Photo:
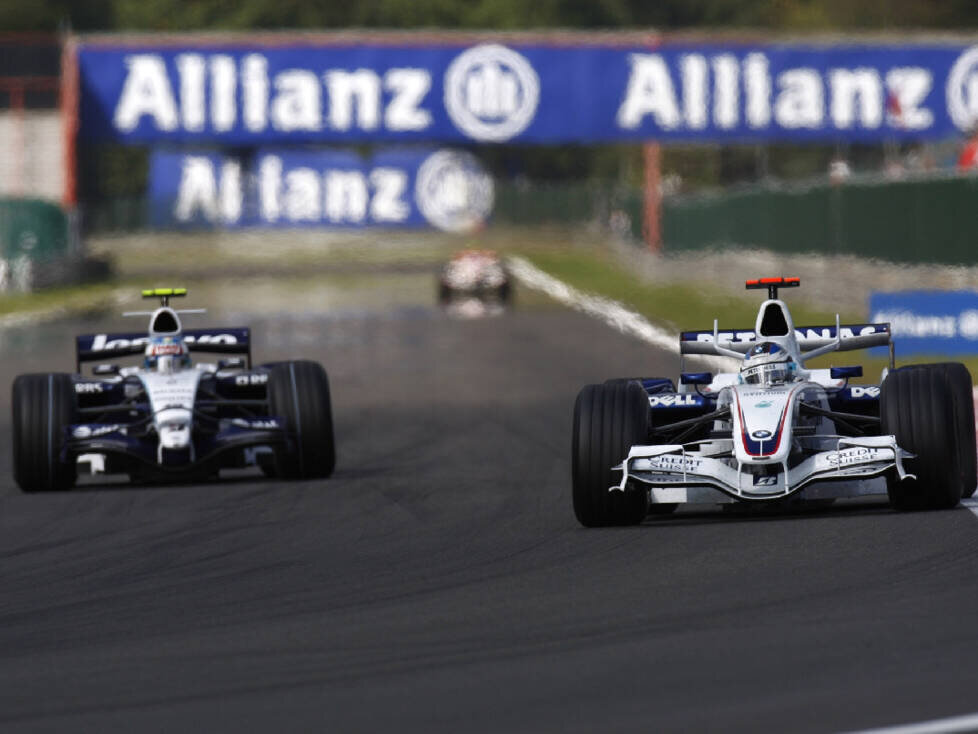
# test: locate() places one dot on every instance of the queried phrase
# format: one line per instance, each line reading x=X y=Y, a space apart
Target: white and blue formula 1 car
x=774 y=432
x=168 y=417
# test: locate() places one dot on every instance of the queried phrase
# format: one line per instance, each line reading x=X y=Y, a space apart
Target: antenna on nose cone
x=772 y=285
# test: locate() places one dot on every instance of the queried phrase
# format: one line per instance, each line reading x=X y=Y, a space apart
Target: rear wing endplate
x=96 y=347
x=854 y=336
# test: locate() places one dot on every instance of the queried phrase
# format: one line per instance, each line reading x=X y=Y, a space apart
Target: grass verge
x=687 y=306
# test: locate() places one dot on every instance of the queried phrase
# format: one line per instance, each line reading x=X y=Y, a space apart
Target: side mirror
x=695 y=378
x=231 y=363
x=838 y=373
x=105 y=370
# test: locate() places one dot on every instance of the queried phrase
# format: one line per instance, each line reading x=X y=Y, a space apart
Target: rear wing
x=854 y=336
x=96 y=347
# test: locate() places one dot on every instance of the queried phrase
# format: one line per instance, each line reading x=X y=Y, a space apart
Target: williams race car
x=167 y=416
x=774 y=432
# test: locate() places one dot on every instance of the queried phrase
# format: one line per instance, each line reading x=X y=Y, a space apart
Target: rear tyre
x=43 y=408
x=959 y=382
x=298 y=391
x=917 y=406
x=608 y=421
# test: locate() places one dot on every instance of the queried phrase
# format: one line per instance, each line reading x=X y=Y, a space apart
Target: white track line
x=968 y=722
x=611 y=312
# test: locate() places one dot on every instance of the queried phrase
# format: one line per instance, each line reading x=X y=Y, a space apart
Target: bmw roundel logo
x=761 y=435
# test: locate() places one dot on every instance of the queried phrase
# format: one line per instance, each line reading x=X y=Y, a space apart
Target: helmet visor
x=767 y=374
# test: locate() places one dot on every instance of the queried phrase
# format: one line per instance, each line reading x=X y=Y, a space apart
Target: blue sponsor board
x=929 y=322
x=295 y=187
x=257 y=94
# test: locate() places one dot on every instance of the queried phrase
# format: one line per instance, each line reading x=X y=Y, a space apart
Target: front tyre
x=608 y=421
x=917 y=406
x=298 y=391
x=43 y=408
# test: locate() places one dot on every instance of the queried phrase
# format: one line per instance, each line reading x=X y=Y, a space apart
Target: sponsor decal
x=161 y=350
x=672 y=462
x=258 y=424
x=96 y=431
x=443 y=188
x=252 y=379
x=761 y=435
x=84 y=388
x=856 y=455
x=930 y=322
x=763 y=404
x=802 y=334
x=674 y=401
x=770 y=480
x=858 y=392
x=102 y=342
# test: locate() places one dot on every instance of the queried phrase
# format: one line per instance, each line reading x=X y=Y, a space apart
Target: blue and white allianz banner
x=251 y=94
x=929 y=322
x=293 y=187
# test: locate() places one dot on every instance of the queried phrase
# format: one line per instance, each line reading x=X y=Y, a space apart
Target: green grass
x=69 y=298
x=693 y=307
x=680 y=306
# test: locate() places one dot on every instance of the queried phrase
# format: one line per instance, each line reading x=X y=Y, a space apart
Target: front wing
x=674 y=474
x=208 y=449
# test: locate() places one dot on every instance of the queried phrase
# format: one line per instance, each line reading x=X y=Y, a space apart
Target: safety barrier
x=32 y=228
x=928 y=220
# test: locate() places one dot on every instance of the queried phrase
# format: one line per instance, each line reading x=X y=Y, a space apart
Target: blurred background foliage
x=182 y=15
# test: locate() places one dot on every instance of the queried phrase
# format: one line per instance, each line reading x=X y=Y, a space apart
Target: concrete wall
x=32 y=154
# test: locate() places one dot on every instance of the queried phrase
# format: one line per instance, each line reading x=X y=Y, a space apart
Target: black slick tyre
x=608 y=421
x=298 y=392
x=959 y=382
x=43 y=408
x=917 y=407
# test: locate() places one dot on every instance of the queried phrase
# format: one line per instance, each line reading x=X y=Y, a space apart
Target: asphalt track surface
x=439 y=582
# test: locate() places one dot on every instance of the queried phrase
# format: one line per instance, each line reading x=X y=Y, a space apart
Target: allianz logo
x=908 y=323
x=452 y=191
x=491 y=94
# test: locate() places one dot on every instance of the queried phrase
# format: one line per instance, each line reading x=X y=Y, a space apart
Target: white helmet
x=767 y=364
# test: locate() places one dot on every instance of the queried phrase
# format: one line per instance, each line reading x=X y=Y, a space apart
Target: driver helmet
x=767 y=364
x=166 y=354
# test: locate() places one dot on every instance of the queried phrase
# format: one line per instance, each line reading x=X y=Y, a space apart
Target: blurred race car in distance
x=474 y=274
x=774 y=431
x=167 y=416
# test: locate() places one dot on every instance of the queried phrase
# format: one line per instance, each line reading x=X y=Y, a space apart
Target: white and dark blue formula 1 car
x=774 y=431
x=167 y=416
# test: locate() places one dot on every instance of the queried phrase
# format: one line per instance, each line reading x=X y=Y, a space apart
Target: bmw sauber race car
x=169 y=416
x=774 y=431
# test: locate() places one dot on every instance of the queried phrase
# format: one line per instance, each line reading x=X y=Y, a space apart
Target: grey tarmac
x=439 y=582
